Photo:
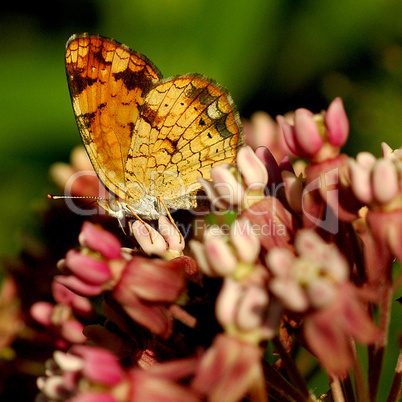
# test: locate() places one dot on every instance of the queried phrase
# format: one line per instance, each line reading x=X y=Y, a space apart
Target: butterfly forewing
x=108 y=83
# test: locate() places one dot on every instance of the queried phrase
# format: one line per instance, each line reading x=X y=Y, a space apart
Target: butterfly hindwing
x=187 y=125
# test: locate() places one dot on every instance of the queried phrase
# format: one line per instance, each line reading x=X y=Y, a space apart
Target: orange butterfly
x=148 y=138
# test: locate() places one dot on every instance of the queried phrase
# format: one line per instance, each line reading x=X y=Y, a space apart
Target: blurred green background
x=273 y=55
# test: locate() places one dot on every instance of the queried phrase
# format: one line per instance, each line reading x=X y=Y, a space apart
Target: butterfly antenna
x=76 y=197
x=62 y=197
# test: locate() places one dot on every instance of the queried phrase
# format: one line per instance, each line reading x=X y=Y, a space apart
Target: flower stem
x=396 y=388
x=291 y=368
x=336 y=390
x=376 y=352
x=279 y=387
x=360 y=386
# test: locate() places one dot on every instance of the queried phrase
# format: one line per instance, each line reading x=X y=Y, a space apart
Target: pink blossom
x=79 y=372
x=311 y=278
x=237 y=188
x=228 y=370
x=317 y=137
x=98 y=239
x=377 y=182
x=167 y=242
x=328 y=330
x=144 y=288
x=242 y=309
x=232 y=255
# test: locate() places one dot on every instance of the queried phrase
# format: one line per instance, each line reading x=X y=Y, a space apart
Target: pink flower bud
x=198 y=249
x=360 y=182
x=148 y=238
x=385 y=181
x=293 y=190
x=42 y=313
x=154 y=280
x=337 y=123
x=253 y=171
x=252 y=309
x=220 y=256
x=71 y=330
x=227 y=186
x=246 y=243
x=307 y=134
x=288 y=134
x=225 y=306
x=171 y=235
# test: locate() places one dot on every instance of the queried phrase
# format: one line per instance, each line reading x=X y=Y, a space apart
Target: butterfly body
x=148 y=138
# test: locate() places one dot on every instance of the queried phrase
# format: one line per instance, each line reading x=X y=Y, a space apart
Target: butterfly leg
x=170 y=218
x=142 y=221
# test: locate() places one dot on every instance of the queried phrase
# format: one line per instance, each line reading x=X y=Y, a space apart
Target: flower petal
x=98 y=239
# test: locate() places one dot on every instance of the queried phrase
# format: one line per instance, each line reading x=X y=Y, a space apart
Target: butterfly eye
x=115 y=205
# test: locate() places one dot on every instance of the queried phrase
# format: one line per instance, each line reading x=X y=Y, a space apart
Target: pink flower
x=167 y=242
x=159 y=382
x=328 y=331
x=232 y=255
x=243 y=310
x=272 y=223
x=316 y=283
x=317 y=137
x=146 y=287
x=377 y=182
x=81 y=370
x=98 y=239
x=229 y=370
x=237 y=188
x=96 y=266
x=311 y=278
x=63 y=317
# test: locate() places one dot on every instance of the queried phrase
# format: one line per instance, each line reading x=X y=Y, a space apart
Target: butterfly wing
x=187 y=125
x=108 y=83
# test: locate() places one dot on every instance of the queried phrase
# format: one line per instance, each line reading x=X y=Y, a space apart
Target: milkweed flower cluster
x=305 y=262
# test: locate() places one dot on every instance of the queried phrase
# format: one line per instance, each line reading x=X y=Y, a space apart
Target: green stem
x=376 y=352
x=396 y=389
x=279 y=387
x=291 y=369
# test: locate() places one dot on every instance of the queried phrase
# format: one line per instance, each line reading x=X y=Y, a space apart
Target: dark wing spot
x=209 y=135
x=220 y=125
x=78 y=83
x=206 y=98
x=202 y=122
x=148 y=114
x=134 y=79
x=193 y=92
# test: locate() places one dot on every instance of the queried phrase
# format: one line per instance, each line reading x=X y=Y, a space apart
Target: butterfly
x=148 y=138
